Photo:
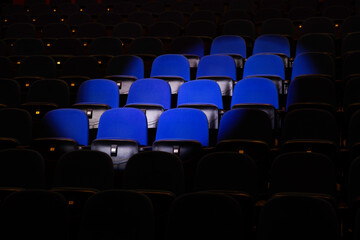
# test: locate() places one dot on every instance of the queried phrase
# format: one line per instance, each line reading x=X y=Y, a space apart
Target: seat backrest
x=255 y=90
x=66 y=46
x=150 y=91
x=123 y=124
x=227 y=171
x=118 y=213
x=200 y=28
x=229 y=44
x=303 y=172
x=39 y=213
x=315 y=42
x=311 y=89
x=66 y=123
x=313 y=63
x=91 y=30
x=273 y=44
x=318 y=24
x=128 y=29
x=23 y=168
x=50 y=91
x=200 y=92
x=190 y=215
x=241 y=27
x=187 y=45
x=264 y=65
x=20 y=30
x=106 y=45
x=246 y=124
x=278 y=25
x=310 y=124
x=307 y=217
x=130 y=65
x=154 y=170
x=84 y=169
x=16 y=123
x=146 y=45
x=27 y=47
x=81 y=66
x=183 y=124
x=171 y=65
x=37 y=66
x=10 y=92
x=99 y=91
x=218 y=65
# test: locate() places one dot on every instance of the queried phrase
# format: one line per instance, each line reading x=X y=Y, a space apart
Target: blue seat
x=94 y=97
x=220 y=68
x=232 y=45
x=124 y=70
x=259 y=93
x=173 y=68
x=204 y=95
x=152 y=96
x=183 y=132
x=120 y=134
x=266 y=65
x=273 y=44
x=314 y=63
x=66 y=123
x=62 y=130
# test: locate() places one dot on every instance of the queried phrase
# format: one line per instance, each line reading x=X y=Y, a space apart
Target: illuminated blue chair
x=314 y=63
x=63 y=130
x=220 y=68
x=259 y=93
x=152 y=96
x=120 y=134
x=124 y=70
x=204 y=95
x=95 y=96
x=173 y=68
x=248 y=131
x=266 y=65
x=232 y=45
x=273 y=44
x=183 y=132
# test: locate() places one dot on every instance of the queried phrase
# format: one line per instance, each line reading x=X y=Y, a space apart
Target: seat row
x=84 y=175
x=116 y=213
x=275 y=25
